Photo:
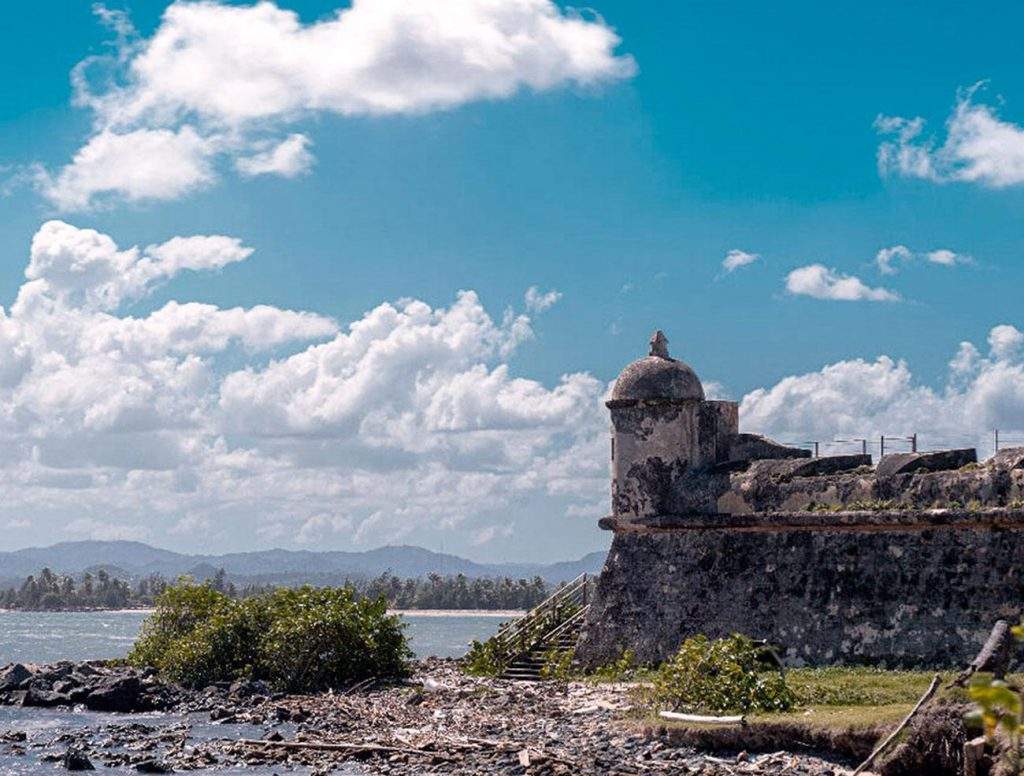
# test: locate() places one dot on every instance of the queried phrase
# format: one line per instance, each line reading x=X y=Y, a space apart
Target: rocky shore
x=96 y=685
x=438 y=721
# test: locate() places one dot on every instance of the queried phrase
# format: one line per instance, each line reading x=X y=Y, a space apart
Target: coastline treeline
x=47 y=591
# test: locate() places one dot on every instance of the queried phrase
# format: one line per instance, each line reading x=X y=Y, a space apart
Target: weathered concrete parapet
x=768 y=487
x=935 y=461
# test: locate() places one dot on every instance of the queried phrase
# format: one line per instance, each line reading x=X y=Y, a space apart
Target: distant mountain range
x=131 y=560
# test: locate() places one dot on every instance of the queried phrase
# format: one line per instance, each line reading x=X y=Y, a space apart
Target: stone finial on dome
x=659 y=344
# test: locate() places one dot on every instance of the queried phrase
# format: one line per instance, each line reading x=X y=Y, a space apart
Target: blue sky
x=742 y=127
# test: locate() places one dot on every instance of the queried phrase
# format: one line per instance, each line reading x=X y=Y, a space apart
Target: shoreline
x=505 y=613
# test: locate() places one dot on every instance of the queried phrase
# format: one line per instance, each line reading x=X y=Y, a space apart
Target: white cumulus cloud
x=216 y=79
x=136 y=165
x=735 y=259
x=289 y=158
x=861 y=398
x=537 y=301
x=979 y=147
x=265 y=424
x=820 y=282
x=889 y=259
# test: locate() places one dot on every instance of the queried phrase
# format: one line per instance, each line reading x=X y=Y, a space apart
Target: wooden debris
x=974 y=752
x=335 y=746
x=994 y=655
x=702 y=719
x=899 y=728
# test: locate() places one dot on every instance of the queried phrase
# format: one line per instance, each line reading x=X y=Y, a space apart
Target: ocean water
x=49 y=636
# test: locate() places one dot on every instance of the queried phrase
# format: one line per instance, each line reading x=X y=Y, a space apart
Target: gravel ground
x=440 y=721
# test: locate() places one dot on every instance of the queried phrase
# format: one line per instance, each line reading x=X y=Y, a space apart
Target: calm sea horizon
x=40 y=637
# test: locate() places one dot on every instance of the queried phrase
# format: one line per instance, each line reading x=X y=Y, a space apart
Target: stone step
x=522 y=675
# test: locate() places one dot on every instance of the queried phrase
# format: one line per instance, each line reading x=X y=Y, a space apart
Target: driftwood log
x=675 y=716
x=899 y=728
x=336 y=746
x=994 y=656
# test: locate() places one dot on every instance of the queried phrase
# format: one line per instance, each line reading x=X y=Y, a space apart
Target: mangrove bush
x=296 y=639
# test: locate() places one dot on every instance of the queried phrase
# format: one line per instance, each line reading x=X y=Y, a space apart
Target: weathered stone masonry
x=836 y=561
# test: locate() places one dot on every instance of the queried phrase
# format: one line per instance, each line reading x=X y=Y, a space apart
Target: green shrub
x=721 y=675
x=325 y=637
x=223 y=647
x=621 y=670
x=484 y=658
x=558 y=665
x=297 y=640
x=180 y=609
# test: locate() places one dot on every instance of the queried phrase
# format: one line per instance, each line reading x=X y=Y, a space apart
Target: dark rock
x=43 y=698
x=121 y=694
x=153 y=766
x=246 y=688
x=1009 y=458
x=75 y=760
x=13 y=676
x=935 y=461
x=65 y=686
x=829 y=464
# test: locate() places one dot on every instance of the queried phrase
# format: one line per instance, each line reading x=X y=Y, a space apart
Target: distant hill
x=290 y=567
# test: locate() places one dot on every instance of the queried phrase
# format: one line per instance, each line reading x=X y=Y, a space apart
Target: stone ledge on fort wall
x=865 y=520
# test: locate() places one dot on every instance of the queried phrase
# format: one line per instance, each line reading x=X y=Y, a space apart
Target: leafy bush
x=721 y=675
x=621 y=670
x=558 y=665
x=295 y=639
x=180 y=609
x=484 y=658
x=323 y=637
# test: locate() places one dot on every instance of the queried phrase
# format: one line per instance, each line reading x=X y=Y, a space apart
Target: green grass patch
x=842 y=686
x=838 y=718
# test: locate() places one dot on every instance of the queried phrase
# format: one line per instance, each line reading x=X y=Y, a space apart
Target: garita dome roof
x=657 y=377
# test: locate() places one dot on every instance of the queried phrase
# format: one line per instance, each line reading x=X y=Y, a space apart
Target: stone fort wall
x=866 y=588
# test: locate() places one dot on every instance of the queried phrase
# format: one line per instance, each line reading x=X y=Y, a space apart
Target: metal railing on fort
x=878 y=445
x=563 y=607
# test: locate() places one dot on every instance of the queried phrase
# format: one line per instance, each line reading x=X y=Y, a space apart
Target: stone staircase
x=554 y=624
